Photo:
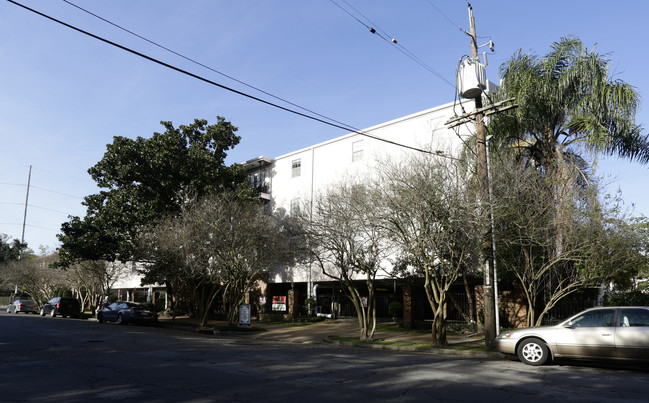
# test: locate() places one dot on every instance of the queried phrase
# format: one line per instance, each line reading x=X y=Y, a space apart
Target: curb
x=327 y=340
x=428 y=350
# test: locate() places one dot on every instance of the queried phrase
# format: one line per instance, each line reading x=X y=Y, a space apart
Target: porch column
x=293 y=309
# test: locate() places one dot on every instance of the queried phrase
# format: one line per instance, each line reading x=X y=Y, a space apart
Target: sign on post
x=244 y=315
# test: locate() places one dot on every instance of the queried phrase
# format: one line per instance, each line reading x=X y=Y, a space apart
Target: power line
x=196 y=76
x=38 y=207
x=49 y=209
x=388 y=38
x=58 y=193
x=43 y=189
x=444 y=15
x=200 y=64
x=29 y=225
x=178 y=69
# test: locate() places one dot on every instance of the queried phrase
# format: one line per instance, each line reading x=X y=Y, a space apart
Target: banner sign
x=279 y=303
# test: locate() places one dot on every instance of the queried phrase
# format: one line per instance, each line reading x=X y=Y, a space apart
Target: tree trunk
x=438 y=330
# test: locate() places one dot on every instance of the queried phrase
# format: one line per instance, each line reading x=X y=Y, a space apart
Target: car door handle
x=607 y=334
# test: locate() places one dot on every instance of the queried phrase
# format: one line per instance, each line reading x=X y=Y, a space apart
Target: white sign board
x=244 y=315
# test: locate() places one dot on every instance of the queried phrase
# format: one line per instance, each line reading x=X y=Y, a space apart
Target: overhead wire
x=40 y=188
x=198 y=77
x=444 y=15
x=376 y=30
x=36 y=206
x=199 y=63
x=386 y=37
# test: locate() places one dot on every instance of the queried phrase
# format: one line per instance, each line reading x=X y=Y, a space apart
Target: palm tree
x=568 y=102
x=569 y=105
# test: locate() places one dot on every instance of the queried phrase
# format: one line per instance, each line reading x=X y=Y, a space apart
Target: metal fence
x=568 y=307
x=346 y=307
x=422 y=310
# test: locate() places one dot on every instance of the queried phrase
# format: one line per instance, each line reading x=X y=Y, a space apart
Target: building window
x=296 y=168
x=254 y=180
x=357 y=151
x=295 y=207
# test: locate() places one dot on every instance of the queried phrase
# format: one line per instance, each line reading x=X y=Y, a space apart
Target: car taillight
x=58 y=304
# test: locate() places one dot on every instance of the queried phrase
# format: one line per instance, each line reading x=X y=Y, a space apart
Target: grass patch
x=293 y=324
x=466 y=347
x=378 y=342
x=394 y=327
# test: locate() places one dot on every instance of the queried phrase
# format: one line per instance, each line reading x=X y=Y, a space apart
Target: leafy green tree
x=10 y=249
x=567 y=101
x=145 y=179
x=569 y=106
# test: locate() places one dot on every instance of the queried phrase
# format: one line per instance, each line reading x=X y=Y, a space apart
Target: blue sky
x=63 y=95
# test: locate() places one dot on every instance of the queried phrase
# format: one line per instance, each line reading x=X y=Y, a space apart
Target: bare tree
x=349 y=244
x=245 y=240
x=431 y=214
x=594 y=243
x=218 y=246
x=93 y=279
x=36 y=278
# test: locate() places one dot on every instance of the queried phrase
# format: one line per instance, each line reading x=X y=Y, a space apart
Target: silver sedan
x=22 y=305
x=619 y=333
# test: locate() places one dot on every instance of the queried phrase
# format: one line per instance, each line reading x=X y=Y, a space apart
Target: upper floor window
x=296 y=168
x=357 y=151
x=254 y=180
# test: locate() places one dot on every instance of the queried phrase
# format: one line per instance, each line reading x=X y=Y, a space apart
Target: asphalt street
x=68 y=360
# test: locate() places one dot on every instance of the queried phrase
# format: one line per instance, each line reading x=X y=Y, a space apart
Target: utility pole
x=22 y=238
x=488 y=242
x=483 y=180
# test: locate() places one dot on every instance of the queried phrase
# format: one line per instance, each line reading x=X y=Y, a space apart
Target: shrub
x=395 y=309
x=630 y=298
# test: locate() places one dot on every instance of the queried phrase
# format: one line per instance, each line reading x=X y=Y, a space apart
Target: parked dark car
x=22 y=305
x=63 y=306
x=617 y=333
x=124 y=312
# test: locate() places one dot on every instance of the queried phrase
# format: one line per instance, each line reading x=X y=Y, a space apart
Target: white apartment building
x=291 y=180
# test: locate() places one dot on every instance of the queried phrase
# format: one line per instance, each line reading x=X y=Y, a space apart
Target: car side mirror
x=568 y=325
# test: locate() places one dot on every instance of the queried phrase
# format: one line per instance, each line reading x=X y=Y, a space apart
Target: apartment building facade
x=290 y=181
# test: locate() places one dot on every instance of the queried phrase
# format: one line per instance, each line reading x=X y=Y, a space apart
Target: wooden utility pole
x=483 y=178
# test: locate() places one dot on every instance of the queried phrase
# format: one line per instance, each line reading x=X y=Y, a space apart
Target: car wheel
x=533 y=352
x=53 y=313
x=100 y=318
x=42 y=312
x=121 y=320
